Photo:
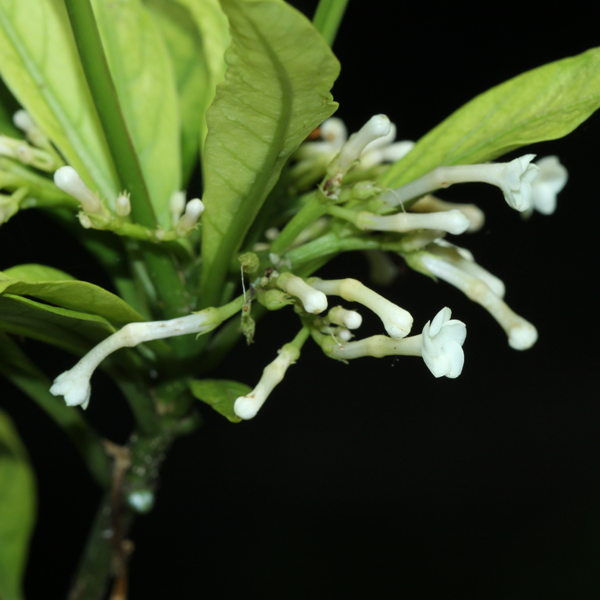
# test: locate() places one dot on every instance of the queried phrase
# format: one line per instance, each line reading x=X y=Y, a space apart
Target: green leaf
x=543 y=104
x=276 y=91
x=17 y=509
x=59 y=288
x=40 y=65
x=23 y=374
x=213 y=27
x=192 y=77
x=75 y=332
x=143 y=75
x=220 y=394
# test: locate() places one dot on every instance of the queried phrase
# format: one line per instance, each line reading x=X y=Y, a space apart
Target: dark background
x=376 y=480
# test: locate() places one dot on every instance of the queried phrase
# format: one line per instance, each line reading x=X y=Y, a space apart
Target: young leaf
x=276 y=91
x=543 y=104
x=41 y=67
x=17 y=509
x=220 y=394
x=192 y=77
x=56 y=287
x=143 y=76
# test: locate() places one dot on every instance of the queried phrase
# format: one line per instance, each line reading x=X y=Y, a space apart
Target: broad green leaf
x=185 y=46
x=543 y=104
x=75 y=332
x=214 y=33
x=145 y=82
x=17 y=509
x=220 y=394
x=276 y=91
x=40 y=65
x=23 y=374
x=59 y=288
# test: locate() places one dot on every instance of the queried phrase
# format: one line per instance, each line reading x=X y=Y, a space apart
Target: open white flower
x=442 y=345
x=74 y=384
x=550 y=181
x=513 y=178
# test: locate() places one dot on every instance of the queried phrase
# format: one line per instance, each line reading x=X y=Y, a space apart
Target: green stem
x=328 y=17
x=163 y=273
x=307 y=215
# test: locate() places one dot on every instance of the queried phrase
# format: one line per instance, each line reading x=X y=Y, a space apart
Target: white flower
x=67 y=179
x=314 y=301
x=513 y=178
x=123 y=205
x=193 y=209
x=515 y=181
x=74 y=384
x=396 y=320
x=385 y=149
x=453 y=221
x=551 y=180
x=442 y=345
x=246 y=407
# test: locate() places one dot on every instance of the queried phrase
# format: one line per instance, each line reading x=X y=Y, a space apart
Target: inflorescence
x=348 y=211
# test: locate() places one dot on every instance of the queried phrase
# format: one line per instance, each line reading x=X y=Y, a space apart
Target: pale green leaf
x=213 y=27
x=17 y=509
x=40 y=65
x=145 y=82
x=543 y=104
x=184 y=44
x=59 y=288
x=276 y=91
x=73 y=331
x=220 y=394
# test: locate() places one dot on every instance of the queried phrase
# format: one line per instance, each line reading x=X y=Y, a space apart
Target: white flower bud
x=23 y=121
x=376 y=127
x=521 y=334
x=246 y=407
x=123 y=205
x=67 y=179
x=193 y=210
x=84 y=220
x=348 y=318
x=177 y=205
x=452 y=221
x=442 y=345
x=551 y=180
x=396 y=320
x=429 y=204
x=314 y=301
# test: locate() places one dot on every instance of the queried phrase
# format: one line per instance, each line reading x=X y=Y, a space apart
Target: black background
x=376 y=480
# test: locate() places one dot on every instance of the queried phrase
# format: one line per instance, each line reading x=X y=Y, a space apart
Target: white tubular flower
x=513 y=178
x=551 y=180
x=396 y=320
x=314 y=301
x=67 y=179
x=452 y=221
x=22 y=119
x=521 y=333
x=464 y=260
x=74 y=384
x=193 y=209
x=334 y=135
x=429 y=204
x=123 y=205
x=385 y=149
x=246 y=407
x=376 y=127
x=442 y=345
x=177 y=205
x=348 y=318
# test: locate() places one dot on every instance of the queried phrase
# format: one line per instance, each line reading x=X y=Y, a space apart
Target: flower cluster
x=350 y=211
